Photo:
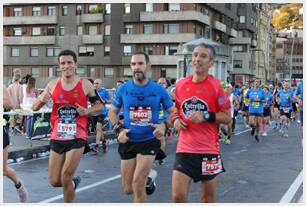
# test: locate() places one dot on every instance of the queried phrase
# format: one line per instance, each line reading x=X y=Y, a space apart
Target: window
x=57 y=72
x=15 y=52
x=108 y=72
x=242 y=19
x=171 y=28
x=80 y=30
x=17 y=12
x=35 y=72
x=174 y=7
x=238 y=48
x=79 y=9
x=127 y=8
x=93 y=72
x=51 y=30
x=64 y=10
x=228 y=6
x=149 y=7
x=127 y=50
x=50 y=72
x=93 y=30
x=36 y=11
x=86 y=51
x=147 y=29
x=62 y=31
x=108 y=8
x=93 y=8
x=170 y=50
x=252 y=21
x=51 y=10
x=53 y=51
x=107 y=29
x=34 y=52
x=148 y=50
x=35 y=31
x=81 y=72
x=106 y=50
x=127 y=72
x=238 y=64
x=17 y=31
x=170 y=72
x=129 y=29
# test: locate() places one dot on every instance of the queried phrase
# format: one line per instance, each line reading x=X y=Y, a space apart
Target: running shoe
x=151 y=185
x=95 y=148
x=227 y=141
x=22 y=192
x=257 y=138
x=77 y=181
x=286 y=135
x=264 y=134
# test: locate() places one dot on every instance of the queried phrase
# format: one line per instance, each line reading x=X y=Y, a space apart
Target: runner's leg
x=55 y=166
x=180 y=186
x=127 y=173
x=208 y=191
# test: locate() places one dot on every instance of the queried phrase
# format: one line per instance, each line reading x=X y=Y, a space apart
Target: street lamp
x=293 y=35
x=265 y=69
x=185 y=52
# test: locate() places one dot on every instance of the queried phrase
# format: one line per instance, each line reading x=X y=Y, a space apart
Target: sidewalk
x=23 y=147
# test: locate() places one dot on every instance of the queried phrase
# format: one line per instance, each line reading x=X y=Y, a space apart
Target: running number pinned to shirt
x=211 y=167
x=141 y=116
x=67 y=126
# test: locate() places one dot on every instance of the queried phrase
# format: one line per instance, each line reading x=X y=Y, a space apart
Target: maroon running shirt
x=65 y=121
x=207 y=95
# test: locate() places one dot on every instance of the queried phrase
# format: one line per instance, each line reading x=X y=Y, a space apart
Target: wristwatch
x=206 y=115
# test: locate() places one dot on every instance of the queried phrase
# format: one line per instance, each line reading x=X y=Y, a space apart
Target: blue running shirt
x=252 y=94
x=285 y=99
x=104 y=96
x=141 y=107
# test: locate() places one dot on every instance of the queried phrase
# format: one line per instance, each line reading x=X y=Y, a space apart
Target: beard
x=139 y=76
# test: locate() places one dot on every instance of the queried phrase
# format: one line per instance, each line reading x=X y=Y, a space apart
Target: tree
x=287 y=15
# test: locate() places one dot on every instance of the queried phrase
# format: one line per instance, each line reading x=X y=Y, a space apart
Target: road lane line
x=82 y=188
x=243 y=131
x=292 y=189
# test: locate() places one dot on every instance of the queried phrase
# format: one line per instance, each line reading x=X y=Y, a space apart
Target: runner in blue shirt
x=267 y=111
x=139 y=136
x=104 y=96
x=299 y=96
x=285 y=99
x=256 y=96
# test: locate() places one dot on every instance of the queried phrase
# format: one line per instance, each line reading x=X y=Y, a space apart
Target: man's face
x=162 y=82
x=257 y=83
x=138 y=65
x=286 y=86
x=67 y=66
x=201 y=59
x=97 y=84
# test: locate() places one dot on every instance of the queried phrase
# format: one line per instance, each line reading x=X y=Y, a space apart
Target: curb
x=43 y=150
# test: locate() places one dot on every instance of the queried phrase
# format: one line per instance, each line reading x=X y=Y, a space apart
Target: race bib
x=255 y=104
x=141 y=116
x=211 y=167
x=67 y=126
x=286 y=109
x=69 y=129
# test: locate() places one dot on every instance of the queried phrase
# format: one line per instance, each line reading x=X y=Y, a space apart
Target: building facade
x=104 y=36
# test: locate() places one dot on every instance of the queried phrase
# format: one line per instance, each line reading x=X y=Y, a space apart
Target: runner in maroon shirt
x=202 y=105
x=69 y=122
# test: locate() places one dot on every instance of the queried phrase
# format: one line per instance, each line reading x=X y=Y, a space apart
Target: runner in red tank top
x=69 y=122
x=201 y=104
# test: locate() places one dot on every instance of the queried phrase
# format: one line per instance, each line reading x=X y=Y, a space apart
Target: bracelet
x=175 y=118
x=212 y=117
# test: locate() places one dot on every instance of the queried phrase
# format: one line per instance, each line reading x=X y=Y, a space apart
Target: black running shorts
x=129 y=150
x=193 y=165
x=61 y=147
x=288 y=114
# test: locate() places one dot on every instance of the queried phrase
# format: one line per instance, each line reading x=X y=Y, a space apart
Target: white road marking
x=239 y=151
x=243 y=131
x=82 y=188
x=292 y=189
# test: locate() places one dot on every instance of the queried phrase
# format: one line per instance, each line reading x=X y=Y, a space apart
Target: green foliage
x=288 y=15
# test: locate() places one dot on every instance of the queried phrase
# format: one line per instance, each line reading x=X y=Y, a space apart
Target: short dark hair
x=144 y=54
x=210 y=47
x=67 y=52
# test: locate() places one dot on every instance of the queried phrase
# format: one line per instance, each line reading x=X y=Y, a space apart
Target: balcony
x=254 y=43
x=233 y=33
x=23 y=20
x=175 y=16
x=92 y=18
x=156 y=38
x=29 y=40
x=92 y=39
x=240 y=40
x=220 y=26
x=163 y=60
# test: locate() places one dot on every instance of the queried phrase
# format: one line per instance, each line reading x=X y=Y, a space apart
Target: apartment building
x=287 y=46
x=105 y=35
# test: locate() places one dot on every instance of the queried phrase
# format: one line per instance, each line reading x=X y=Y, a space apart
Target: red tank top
x=65 y=121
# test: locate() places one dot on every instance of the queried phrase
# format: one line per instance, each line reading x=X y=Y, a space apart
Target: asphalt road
x=255 y=173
